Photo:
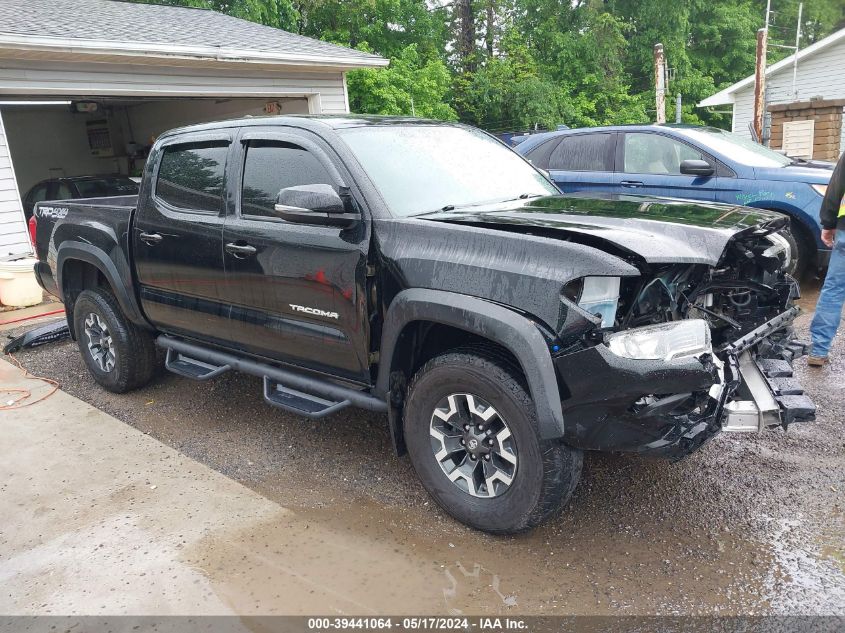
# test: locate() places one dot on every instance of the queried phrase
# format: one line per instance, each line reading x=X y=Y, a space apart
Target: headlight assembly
x=667 y=341
x=596 y=295
x=820 y=189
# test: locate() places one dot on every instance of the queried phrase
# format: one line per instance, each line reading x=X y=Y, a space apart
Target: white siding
x=819 y=75
x=40 y=78
x=14 y=238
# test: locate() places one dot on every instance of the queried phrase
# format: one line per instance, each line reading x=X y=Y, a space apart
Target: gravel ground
x=749 y=524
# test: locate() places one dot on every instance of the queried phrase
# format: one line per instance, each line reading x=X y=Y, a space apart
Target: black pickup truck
x=424 y=270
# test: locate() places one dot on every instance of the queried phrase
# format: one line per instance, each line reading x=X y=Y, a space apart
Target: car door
x=650 y=165
x=296 y=290
x=178 y=237
x=584 y=162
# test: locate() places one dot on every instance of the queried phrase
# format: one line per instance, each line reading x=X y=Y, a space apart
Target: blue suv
x=691 y=162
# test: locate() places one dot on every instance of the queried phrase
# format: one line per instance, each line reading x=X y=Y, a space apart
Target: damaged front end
x=684 y=351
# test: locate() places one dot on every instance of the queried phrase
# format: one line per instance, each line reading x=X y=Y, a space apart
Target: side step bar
x=298 y=393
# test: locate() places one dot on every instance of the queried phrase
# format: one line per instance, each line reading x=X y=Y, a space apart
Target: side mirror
x=317 y=204
x=695 y=167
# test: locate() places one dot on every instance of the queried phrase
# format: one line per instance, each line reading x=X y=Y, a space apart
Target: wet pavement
x=748 y=525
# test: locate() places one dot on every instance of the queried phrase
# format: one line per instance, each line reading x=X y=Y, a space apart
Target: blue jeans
x=832 y=297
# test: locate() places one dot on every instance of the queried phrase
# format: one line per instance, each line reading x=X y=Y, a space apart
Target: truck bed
x=85 y=224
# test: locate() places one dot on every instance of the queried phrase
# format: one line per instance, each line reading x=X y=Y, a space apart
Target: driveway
x=243 y=508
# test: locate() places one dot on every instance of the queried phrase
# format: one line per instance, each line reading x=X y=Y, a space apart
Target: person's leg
x=831 y=299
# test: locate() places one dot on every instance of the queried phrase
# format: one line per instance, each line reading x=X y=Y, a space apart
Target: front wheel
x=472 y=436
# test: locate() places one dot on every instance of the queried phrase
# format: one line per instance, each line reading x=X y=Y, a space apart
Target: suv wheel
x=472 y=435
x=119 y=354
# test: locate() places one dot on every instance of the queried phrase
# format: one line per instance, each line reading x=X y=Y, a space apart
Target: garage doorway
x=95 y=136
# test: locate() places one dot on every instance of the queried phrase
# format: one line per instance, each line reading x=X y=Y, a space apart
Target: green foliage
x=411 y=85
x=541 y=62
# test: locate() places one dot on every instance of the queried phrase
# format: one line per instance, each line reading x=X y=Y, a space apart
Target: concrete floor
x=99 y=518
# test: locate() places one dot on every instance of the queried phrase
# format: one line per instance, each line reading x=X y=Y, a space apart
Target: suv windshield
x=740 y=149
x=105 y=187
x=424 y=168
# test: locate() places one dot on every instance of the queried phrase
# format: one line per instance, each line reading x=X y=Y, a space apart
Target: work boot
x=817 y=361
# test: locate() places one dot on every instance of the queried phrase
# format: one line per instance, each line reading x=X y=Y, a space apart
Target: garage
x=89 y=99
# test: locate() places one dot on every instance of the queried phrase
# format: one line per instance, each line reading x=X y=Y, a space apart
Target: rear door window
x=584 y=152
x=270 y=166
x=190 y=177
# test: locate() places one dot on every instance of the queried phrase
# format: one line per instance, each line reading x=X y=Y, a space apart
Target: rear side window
x=191 y=176
x=270 y=166
x=584 y=152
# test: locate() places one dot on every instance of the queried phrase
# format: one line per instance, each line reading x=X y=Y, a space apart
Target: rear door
x=296 y=290
x=650 y=165
x=584 y=162
x=177 y=237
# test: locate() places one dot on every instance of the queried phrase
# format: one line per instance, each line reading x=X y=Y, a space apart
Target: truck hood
x=658 y=230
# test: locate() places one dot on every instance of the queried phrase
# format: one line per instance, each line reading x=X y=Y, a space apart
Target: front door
x=177 y=237
x=651 y=166
x=296 y=291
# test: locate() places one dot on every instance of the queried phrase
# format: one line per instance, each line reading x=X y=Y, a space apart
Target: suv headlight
x=666 y=341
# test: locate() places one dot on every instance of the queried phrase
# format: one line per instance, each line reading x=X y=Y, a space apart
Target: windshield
x=738 y=148
x=426 y=168
x=105 y=187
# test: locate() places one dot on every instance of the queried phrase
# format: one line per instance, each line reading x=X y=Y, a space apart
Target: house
x=804 y=117
x=87 y=85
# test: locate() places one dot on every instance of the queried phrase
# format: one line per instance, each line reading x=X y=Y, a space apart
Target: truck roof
x=308 y=121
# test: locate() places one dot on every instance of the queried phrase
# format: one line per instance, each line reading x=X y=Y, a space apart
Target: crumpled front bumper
x=671 y=408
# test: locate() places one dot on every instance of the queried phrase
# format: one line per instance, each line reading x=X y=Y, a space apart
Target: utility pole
x=760 y=77
x=795 y=54
x=678 y=109
x=660 y=83
x=760 y=84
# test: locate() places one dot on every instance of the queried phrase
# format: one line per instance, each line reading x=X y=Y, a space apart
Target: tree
x=409 y=86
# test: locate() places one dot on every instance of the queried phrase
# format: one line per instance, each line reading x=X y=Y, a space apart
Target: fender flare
x=98 y=258
x=491 y=321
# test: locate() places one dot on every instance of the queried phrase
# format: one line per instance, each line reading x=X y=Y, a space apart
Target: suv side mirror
x=694 y=167
x=316 y=204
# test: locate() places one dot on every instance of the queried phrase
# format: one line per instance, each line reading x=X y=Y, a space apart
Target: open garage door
x=48 y=140
x=14 y=239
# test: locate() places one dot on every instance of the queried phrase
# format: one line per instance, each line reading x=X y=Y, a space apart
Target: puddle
x=804 y=580
x=367 y=559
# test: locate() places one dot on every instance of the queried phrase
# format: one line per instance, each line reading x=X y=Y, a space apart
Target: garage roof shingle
x=126 y=22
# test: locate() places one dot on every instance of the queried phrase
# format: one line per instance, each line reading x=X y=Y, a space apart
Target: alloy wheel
x=100 y=343
x=473 y=445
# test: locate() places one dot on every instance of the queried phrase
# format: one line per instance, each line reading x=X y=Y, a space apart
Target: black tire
x=133 y=362
x=546 y=473
x=803 y=255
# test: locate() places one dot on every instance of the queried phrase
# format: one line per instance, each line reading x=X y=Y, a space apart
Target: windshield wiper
x=452 y=207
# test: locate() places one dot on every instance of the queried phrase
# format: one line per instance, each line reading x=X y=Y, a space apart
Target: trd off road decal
x=55 y=213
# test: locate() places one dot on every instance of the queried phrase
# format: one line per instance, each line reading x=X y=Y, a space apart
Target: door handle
x=150 y=238
x=632 y=183
x=240 y=250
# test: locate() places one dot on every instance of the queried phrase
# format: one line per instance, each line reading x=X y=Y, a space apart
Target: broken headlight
x=596 y=295
x=666 y=341
x=780 y=249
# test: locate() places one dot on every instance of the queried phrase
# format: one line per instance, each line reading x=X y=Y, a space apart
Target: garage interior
x=86 y=136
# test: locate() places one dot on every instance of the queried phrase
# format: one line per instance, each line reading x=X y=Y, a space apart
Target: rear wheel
x=119 y=354
x=472 y=436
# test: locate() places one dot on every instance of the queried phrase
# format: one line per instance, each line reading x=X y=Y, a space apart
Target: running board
x=299 y=402
x=191 y=367
x=287 y=389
